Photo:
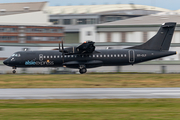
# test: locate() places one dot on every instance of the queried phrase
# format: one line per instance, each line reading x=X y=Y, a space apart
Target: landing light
x=47 y=60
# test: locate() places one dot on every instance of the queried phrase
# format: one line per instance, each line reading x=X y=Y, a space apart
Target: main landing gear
x=82 y=69
x=14 y=70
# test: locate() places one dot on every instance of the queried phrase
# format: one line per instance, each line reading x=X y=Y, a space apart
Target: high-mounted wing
x=85 y=48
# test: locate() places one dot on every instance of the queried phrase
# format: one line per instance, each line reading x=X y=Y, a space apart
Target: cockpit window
x=16 y=55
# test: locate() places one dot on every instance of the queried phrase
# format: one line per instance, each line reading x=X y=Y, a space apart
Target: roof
x=10 y=8
x=85 y=9
x=154 y=19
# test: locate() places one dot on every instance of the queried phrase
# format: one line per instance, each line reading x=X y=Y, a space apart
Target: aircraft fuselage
x=108 y=57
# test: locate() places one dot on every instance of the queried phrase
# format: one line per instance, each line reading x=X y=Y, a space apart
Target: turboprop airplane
x=86 y=56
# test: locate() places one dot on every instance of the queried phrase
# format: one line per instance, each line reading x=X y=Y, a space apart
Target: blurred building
x=34 y=13
x=30 y=34
x=134 y=30
x=75 y=17
x=25 y=26
x=36 y=26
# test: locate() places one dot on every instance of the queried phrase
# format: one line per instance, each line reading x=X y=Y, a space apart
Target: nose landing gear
x=14 y=70
x=82 y=69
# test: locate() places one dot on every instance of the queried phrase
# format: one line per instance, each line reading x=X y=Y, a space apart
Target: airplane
x=86 y=56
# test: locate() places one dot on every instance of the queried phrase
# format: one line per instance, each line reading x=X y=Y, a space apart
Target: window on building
x=82 y=21
x=54 y=21
x=67 y=21
x=112 y=18
x=89 y=33
x=28 y=38
x=60 y=31
x=10 y=38
x=92 y=21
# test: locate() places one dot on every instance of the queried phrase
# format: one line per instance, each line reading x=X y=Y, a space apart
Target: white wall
x=151 y=34
x=134 y=36
x=31 y=18
x=176 y=37
x=116 y=37
x=85 y=37
x=102 y=37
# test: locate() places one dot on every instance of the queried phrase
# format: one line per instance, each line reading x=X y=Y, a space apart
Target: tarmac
x=89 y=93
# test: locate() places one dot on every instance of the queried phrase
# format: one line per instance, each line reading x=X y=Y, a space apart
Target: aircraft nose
x=5 y=62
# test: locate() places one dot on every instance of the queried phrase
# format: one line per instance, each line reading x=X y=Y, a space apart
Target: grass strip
x=90 y=81
x=105 y=109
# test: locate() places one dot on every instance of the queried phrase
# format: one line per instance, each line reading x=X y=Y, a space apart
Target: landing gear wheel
x=83 y=70
x=14 y=71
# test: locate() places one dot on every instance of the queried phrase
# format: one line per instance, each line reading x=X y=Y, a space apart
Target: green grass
x=106 y=109
x=90 y=81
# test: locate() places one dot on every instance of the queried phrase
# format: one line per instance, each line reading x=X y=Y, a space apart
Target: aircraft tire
x=14 y=71
x=83 y=70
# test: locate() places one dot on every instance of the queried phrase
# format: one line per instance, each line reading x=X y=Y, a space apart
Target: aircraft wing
x=85 y=48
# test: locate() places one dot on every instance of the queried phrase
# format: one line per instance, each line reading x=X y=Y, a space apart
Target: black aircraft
x=86 y=56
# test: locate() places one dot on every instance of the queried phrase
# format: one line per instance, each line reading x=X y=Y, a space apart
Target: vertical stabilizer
x=161 y=41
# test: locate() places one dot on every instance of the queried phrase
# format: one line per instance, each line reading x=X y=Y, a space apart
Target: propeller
x=62 y=51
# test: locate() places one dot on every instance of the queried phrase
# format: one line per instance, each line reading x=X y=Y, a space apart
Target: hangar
x=72 y=18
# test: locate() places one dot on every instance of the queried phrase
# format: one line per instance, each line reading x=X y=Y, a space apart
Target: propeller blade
x=62 y=51
x=62 y=46
x=59 y=47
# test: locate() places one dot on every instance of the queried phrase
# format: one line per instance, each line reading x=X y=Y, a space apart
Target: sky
x=167 y=4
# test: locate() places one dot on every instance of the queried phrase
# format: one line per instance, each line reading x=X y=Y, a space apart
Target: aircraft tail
x=161 y=41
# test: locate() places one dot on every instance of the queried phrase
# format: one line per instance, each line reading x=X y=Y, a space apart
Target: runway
x=89 y=93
